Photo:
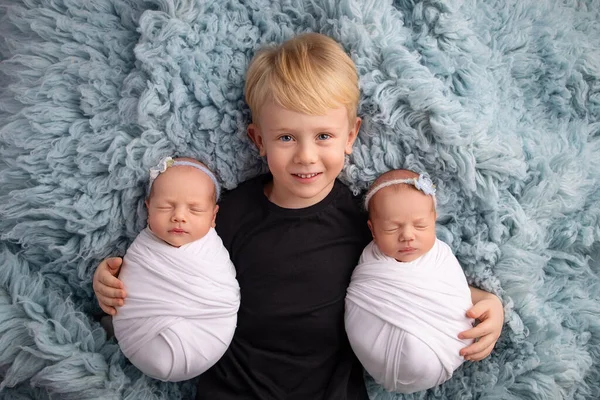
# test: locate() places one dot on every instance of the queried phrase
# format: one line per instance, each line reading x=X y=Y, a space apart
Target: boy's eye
x=163 y=208
x=285 y=138
x=196 y=210
x=323 y=136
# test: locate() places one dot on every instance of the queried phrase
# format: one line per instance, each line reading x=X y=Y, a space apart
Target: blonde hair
x=310 y=74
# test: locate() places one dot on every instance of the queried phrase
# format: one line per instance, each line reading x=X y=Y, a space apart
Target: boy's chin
x=301 y=196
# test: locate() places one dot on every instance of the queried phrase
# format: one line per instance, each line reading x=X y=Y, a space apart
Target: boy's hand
x=108 y=289
x=490 y=313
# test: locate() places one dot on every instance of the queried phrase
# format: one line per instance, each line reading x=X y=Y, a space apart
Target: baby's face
x=402 y=221
x=181 y=207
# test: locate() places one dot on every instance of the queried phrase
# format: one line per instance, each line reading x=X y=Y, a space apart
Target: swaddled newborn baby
x=408 y=297
x=183 y=298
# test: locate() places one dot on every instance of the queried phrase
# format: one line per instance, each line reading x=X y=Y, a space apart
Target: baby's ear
x=371 y=228
x=214 y=220
x=255 y=135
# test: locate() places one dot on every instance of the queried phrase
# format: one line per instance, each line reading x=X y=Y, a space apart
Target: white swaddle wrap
x=402 y=319
x=181 y=308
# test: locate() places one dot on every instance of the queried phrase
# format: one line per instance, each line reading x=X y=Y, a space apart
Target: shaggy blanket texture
x=498 y=100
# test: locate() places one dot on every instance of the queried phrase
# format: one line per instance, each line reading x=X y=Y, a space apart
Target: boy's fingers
x=109 y=301
x=477 y=310
x=473 y=333
x=110 y=293
x=101 y=288
x=114 y=264
x=109 y=280
x=480 y=355
x=481 y=346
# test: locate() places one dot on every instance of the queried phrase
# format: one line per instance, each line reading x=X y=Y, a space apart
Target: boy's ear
x=256 y=137
x=352 y=136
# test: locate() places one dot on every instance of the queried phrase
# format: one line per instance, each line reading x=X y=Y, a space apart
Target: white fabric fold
x=192 y=288
x=403 y=319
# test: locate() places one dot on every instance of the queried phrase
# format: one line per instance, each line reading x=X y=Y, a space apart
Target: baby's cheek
x=151 y=220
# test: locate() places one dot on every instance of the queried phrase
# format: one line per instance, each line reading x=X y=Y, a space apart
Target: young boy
x=295 y=235
x=408 y=296
x=183 y=298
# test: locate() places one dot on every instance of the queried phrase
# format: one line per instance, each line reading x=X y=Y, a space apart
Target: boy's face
x=402 y=221
x=181 y=207
x=305 y=153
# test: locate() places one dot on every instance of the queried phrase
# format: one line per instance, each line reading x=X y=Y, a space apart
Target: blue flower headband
x=422 y=183
x=169 y=162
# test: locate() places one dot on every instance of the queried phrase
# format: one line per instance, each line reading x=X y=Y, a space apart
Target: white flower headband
x=422 y=183
x=169 y=162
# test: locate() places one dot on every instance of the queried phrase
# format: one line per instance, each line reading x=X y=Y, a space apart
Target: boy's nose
x=306 y=154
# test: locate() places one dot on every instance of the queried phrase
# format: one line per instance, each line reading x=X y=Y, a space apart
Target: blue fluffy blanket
x=498 y=100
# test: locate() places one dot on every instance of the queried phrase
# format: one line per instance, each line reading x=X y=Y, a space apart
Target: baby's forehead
x=194 y=181
x=392 y=193
x=389 y=197
x=188 y=172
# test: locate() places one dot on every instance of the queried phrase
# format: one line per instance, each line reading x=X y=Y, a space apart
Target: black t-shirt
x=293 y=267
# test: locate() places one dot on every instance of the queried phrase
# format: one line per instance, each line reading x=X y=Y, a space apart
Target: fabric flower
x=160 y=168
x=424 y=184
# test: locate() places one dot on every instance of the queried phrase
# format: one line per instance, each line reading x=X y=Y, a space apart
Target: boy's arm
x=108 y=289
x=487 y=308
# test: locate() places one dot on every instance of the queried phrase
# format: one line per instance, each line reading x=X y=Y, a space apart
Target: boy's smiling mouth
x=307 y=176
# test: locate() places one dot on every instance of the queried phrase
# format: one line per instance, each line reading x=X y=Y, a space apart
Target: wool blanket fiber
x=499 y=101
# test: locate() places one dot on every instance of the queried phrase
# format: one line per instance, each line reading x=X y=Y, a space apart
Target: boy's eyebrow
x=319 y=129
x=279 y=130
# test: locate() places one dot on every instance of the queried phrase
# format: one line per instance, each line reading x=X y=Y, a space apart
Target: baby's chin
x=408 y=256
x=406 y=259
